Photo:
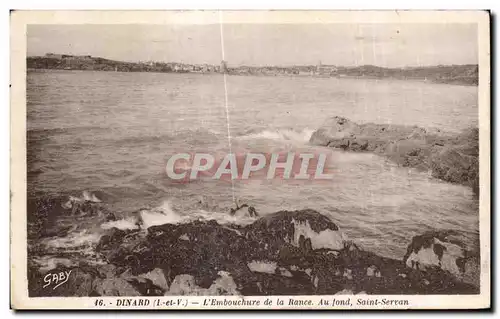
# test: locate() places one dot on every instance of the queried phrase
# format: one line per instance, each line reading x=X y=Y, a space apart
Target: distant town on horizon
x=454 y=74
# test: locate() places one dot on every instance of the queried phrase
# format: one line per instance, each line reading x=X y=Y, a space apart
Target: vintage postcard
x=250 y=160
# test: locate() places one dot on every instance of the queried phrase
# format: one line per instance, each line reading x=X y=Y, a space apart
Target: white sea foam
x=47 y=263
x=223 y=218
x=77 y=245
x=166 y=214
x=126 y=223
x=88 y=196
x=155 y=218
x=75 y=239
x=282 y=135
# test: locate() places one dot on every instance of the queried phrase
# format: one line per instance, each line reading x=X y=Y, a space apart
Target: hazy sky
x=391 y=45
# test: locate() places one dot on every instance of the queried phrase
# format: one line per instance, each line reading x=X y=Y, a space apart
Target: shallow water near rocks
x=112 y=133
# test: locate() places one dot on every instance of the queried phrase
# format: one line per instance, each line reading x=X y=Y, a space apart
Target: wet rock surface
x=452 y=158
x=285 y=253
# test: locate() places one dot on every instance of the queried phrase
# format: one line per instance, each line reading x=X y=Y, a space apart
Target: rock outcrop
x=285 y=253
x=453 y=159
x=446 y=250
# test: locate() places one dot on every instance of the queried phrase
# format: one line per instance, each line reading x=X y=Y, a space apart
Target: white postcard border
x=18 y=233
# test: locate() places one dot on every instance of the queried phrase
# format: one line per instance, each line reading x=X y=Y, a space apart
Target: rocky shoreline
x=452 y=158
x=285 y=253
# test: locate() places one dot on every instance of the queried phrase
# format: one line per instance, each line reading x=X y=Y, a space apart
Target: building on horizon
x=53 y=56
x=322 y=69
x=223 y=67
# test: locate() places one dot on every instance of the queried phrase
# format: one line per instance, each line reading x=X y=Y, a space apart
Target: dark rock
x=444 y=250
x=146 y=287
x=452 y=158
x=205 y=258
x=451 y=165
x=270 y=234
x=112 y=239
x=110 y=217
x=114 y=287
x=157 y=276
x=186 y=285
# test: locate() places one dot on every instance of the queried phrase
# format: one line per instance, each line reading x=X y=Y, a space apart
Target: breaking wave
x=79 y=243
x=299 y=136
x=166 y=214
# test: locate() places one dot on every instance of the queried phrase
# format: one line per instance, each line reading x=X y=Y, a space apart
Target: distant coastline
x=450 y=74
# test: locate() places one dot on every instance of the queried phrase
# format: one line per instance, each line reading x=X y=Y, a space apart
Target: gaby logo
x=56 y=279
x=243 y=166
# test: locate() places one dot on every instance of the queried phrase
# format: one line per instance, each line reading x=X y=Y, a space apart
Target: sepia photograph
x=254 y=160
